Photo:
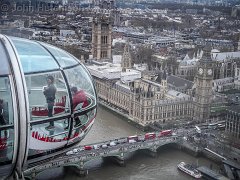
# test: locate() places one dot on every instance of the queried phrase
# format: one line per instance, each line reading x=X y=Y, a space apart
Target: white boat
x=189 y=169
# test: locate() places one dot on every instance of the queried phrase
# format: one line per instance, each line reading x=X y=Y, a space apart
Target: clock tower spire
x=203 y=84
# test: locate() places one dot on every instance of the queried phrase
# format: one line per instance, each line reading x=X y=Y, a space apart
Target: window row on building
x=141 y=108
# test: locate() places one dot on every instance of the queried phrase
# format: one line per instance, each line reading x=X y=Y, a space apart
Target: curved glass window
x=63 y=58
x=6 y=112
x=6 y=121
x=50 y=111
x=61 y=97
x=4 y=69
x=83 y=98
x=33 y=57
x=82 y=90
x=42 y=93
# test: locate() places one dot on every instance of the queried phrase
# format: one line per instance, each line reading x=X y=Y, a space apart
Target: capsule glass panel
x=63 y=58
x=48 y=101
x=6 y=114
x=82 y=89
x=83 y=99
x=58 y=115
x=6 y=121
x=33 y=56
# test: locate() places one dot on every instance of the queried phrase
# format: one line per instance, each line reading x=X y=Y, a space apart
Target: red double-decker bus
x=165 y=133
x=150 y=136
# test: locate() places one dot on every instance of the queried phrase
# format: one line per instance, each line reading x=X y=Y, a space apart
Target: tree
x=143 y=55
x=171 y=64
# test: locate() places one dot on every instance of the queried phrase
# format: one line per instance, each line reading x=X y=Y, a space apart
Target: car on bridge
x=104 y=146
x=122 y=140
x=88 y=147
x=135 y=137
x=96 y=146
x=132 y=141
x=75 y=151
x=112 y=143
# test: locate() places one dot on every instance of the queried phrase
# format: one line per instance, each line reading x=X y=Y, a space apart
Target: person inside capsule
x=79 y=100
x=79 y=96
x=50 y=91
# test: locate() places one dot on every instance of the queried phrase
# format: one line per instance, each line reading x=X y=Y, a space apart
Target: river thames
x=139 y=166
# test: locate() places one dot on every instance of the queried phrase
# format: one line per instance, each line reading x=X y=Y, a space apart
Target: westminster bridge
x=79 y=156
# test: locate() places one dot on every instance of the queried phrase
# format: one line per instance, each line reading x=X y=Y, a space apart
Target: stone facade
x=233 y=121
x=225 y=65
x=225 y=69
x=145 y=101
x=102 y=38
x=203 y=88
x=126 y=58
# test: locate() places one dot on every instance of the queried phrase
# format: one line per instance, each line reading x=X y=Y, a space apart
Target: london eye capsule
x=47 y=103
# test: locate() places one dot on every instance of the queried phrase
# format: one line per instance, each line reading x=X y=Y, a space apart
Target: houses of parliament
x=143 y=97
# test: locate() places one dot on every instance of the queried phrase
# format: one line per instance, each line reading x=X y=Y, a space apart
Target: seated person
x=2 y=120
x=78 y=96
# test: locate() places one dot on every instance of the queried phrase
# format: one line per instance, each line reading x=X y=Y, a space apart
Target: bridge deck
x=232 y=164
x=211 y=174
x=80 y=157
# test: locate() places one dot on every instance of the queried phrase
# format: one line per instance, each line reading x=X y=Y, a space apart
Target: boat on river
x=189 y=169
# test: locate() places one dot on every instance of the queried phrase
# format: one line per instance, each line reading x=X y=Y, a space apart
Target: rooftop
x=234 y=108
x=176 y=94
x=179 y=82
x=221 y=56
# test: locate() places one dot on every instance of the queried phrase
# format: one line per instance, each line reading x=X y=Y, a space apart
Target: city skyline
x=84 y=82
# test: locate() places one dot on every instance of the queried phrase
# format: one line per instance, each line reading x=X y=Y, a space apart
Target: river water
x=139 y=166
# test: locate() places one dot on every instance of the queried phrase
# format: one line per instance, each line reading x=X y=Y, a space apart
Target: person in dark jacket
x=50 y=91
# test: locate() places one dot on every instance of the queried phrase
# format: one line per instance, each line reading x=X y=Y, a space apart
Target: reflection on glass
x=79 y=123
x=40 y=97
x=92 y=114
x=63 y=58
x=42 y=140
x=83 y=93
x=48 y=98
x=50 y=73
x=6 y=119
x=4 y=69
x=33 y=57
x=84 y=119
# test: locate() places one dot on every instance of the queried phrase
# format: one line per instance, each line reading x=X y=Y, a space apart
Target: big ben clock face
x=200 y=71
x=209 y=72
